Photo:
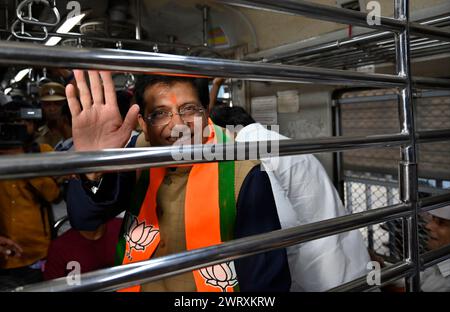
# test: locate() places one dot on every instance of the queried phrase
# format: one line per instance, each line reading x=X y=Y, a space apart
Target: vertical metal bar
x=138 y=19
x=408 y=166
x=6 y=17
x=368 y=194
x=205 y=12
x=338 y=174
x=390 y=225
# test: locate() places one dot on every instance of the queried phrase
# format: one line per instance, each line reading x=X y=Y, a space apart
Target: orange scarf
x=209 y=185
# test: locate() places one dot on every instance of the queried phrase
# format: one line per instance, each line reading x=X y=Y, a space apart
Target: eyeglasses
x=187 y=113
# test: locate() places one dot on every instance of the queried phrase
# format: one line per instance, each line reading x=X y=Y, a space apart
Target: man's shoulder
x=246 y=165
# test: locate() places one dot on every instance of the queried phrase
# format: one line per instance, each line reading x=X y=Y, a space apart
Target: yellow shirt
x=21 y=218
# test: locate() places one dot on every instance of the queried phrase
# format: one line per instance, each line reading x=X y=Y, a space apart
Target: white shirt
x=303 y=194
x=436 y=278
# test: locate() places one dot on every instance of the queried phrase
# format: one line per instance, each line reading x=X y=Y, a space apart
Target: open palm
x=96 y=121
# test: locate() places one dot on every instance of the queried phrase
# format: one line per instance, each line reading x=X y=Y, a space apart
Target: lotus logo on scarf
x=222 y=275
x=138 y=235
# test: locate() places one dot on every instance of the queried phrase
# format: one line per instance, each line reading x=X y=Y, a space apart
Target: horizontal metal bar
x=428 y=31
x=127 y=275
x=318 y=11
x=327 y=47
x=388 y=274
x=433 y=136
x=337 y=15
x=144 y=43
x=344 y=61
x=434 y=202
x=293 y=50
x=430 y=83
x=433 y=257
x=369 y=55
x=62 y=163
x=390 y=97
x=396 y=271
x=148 y=62
x=422 y=188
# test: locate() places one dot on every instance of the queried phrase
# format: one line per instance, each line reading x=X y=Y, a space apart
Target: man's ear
x=143 y=126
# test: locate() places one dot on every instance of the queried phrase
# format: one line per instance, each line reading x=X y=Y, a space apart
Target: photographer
x=24 y=217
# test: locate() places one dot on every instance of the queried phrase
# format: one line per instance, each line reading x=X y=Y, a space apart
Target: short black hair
x=230 y=116
x=200 y=85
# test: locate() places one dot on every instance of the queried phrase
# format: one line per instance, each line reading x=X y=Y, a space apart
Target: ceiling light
x=20 y=75
x=64 y=29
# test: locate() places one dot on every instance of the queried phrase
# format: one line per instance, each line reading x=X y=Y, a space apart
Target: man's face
x=52 y=109
x=161 y=98
x=439 y=232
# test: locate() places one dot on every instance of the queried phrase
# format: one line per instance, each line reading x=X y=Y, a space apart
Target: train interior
x=366 y=178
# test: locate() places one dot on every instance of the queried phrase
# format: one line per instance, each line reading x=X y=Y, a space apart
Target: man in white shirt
x=437 y=277
x=303 y=194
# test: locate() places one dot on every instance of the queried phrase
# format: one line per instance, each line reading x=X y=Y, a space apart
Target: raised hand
x=96 y=122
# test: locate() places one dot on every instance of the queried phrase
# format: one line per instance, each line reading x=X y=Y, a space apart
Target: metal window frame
x=118 y=277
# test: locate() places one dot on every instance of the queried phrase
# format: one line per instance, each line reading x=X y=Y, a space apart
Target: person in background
x=52 y=98
x=303 y=194
x=437 y=277
x=214 y=92
x=224 y=116
x=93 y=250
x=24 y=214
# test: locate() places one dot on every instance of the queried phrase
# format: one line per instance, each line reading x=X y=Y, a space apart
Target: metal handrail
x=289 y=52
x=26 y=35
x=389 y=97
x=148 y=62
x=434 y=202
x=387 y=275
x=396 y=271
x=30 y=20
x=142 y=272
x=433 y=257
x=338 y=15
x=319 y=11
x=61 y=163
x=432 y=136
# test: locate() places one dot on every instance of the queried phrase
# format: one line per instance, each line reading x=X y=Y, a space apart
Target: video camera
x=13 y=132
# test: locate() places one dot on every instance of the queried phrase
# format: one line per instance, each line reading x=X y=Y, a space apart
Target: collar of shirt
x=258 y=132
x=444 y=267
